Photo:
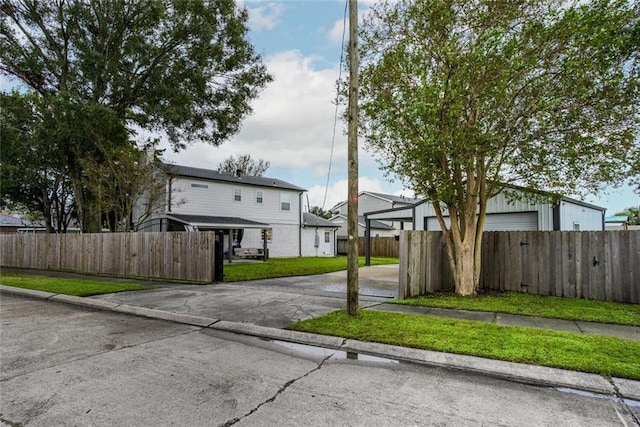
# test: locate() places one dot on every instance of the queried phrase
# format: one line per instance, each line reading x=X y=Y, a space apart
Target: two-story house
x=245 y=208
x=372 y=202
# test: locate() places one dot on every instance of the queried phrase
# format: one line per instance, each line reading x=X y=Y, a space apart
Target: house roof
x=393 y=199
x=220 y=222
x=311 y=220
x=616 y=218
x=12 y=221
x=213 y=175
x=374 y=223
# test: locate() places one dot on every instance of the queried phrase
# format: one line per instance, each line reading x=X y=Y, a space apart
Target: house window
x=237 y=195
x=268 y=232
x=259 y=197
x=196 y=185
x=327 y=237
x=285 y=202
x=576 y=226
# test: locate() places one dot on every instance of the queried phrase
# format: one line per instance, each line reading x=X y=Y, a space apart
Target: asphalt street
x=66 y=365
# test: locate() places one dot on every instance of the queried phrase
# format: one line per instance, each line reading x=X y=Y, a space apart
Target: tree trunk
x=464 y=254
x=464 y=273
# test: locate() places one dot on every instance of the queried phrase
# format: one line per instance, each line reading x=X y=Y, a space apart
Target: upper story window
x=285 y=201
x=196 y=185
x=259 y=197
x=237 y=195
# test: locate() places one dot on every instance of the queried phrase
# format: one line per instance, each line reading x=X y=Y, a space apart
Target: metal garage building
x=508 y=213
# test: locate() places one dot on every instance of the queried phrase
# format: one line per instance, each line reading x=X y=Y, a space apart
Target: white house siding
x=369 y=203
x=218 y=200
x=309 y=241
x=589 y=219
x=285 y=240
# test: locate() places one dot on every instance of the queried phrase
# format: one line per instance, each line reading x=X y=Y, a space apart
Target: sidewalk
x=529 y=374
x=579 y=327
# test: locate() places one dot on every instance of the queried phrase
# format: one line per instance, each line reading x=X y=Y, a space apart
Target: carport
x=232 y=227
x=402 y=215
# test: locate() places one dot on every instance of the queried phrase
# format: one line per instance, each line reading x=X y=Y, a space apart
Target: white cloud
x=292 y=123
x=335 y=32
x=265 y=16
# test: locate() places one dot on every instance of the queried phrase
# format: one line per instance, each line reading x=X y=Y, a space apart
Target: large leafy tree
x=460 y=97
x=243 y=164
x=33 y=174
x=184 y=67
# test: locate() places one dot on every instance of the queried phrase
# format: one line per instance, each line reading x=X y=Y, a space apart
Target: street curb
x=25 y=292
x=628 y=389
x=85 y=302
x=165 y=315
x=517 y=372
x=279 y=334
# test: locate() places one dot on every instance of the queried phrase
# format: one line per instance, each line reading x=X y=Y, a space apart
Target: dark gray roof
x=394 y=198
x=215 y=220
x=12 y=221
x=374 y=223
x=213 y=175
x=312 y=220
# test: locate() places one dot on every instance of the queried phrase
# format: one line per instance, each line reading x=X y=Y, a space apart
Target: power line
x=335 y=116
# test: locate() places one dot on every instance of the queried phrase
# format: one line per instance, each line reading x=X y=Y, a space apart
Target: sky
x=292 y=123
x=293 y=119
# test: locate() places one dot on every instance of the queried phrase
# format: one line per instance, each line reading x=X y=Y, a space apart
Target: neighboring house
x=14 y=224
x=504 y=213
x=245 y=208
x=318 y=236
x=378 y=228
x=618 y=222
x=372 y=202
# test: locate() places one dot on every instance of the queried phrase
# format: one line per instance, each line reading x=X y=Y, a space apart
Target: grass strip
x=608 y=356
x=67 y=286
x=287 y=267
x=535 y=305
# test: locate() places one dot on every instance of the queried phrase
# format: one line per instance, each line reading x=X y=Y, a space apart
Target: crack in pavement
x=281 y=390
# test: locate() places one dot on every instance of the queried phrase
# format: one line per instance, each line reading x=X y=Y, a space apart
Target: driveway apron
x=272 y=302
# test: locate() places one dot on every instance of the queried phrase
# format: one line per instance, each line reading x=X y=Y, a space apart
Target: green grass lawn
x=535 y=305
x=286 y=267
x=68 y=286
x=607 y=356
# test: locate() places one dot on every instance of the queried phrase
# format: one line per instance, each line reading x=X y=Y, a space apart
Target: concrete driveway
x=272 y=302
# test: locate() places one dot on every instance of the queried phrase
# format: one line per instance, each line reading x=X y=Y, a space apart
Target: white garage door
x=520 y=221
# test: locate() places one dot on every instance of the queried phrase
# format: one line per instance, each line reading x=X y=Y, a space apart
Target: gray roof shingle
x=213 y=175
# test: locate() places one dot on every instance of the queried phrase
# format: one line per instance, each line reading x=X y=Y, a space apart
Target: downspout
x=413 y=214
x=300 y=222
x=169 y=193
x=367 y=240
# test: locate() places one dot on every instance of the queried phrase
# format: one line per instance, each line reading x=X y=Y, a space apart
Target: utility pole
x=352 y=159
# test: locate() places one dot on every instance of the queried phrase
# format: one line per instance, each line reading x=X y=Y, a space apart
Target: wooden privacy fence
x=380 y=247
x=599 y=265
x=179 y=256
